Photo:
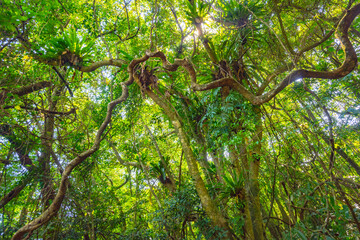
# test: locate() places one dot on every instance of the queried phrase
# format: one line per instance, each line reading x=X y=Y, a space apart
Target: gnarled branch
x=347 y=66
x=56 y=204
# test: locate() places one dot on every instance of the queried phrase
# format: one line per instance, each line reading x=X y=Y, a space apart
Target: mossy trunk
x=249 y=154
x=207 y=202
x=252 y=185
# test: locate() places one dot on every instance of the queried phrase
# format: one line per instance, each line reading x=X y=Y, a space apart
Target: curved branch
x=290 y=66
x=348 y=66
x=56 y=204
x=194 y=85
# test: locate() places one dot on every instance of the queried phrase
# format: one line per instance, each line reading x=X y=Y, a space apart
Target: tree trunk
x=250 y=158
x=252 y=187
x=207 y=202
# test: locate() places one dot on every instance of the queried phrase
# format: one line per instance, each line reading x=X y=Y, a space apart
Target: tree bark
x=250 y=158
x=207 y=202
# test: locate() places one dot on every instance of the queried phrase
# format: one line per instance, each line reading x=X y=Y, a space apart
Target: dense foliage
x=179 y=119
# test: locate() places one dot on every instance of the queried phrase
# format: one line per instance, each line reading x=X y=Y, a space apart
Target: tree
x=179 y=119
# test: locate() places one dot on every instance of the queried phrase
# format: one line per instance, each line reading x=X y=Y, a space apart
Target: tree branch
x=14 y=192
x=24 y=90
x=347 y=66
x=56 y=204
